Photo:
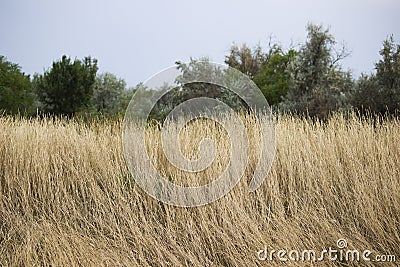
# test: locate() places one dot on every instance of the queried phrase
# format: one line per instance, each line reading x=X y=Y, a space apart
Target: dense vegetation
x=307 y=79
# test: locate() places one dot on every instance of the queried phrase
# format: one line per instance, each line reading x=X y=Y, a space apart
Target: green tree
x=126 y=96
x=388 y=74
x=273 y=77
x=246 y=60
x=108 y=94
x=380 y=92
x=67 y=87
x=318 y=85
x=15 y=89
x=200 y=69
x=268 y=69
x=367 y=96
x=203 y=69
x=388 y=68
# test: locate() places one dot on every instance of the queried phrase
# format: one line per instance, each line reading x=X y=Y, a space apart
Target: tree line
x=68 y=88
x=307 y=79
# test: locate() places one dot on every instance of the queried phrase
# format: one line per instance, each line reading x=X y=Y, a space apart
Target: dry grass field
x=67 y=197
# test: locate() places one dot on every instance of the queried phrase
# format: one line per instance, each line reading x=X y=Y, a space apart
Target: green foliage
x=268 y=70
x=388 y=74
x=67 y=87
x=368 y=95
x=318 y=85
x=246 y=60
x=388 y=68
x=126 y=97
x=193 y=71
x=308 y=80
x=273 y=78
x=185 y=91
x=380 y=92
x=108 y=94
x=15 y=89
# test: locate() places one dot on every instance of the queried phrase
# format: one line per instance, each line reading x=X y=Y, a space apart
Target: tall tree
x=273 y=77
x=15 y=89
x=185 y=89
x=380 y=92
x=318 y=85
x=246 y=60
x=267 y=69
x=67 y=87
x=388 y=74
x=108 y=94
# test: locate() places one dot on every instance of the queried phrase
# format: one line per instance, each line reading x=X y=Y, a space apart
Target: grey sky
x=136 y=39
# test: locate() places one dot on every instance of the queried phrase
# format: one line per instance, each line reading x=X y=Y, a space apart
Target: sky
x=136 y=39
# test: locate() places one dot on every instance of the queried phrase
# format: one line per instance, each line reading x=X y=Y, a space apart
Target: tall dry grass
x=67 y=198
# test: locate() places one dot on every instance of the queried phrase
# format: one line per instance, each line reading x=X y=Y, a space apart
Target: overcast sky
x=136 y=39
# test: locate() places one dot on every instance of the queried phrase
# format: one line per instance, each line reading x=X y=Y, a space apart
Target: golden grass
x=67 y=198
